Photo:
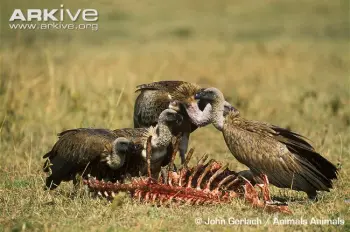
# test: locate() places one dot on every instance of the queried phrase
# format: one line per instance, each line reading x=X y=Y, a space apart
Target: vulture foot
x=251 y=195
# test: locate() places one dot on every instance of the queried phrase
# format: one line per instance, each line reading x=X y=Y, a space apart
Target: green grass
x=284 y=62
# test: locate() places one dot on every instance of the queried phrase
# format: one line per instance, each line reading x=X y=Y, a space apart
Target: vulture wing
x=168 y=86
x=75 y=150
x=148 y=106
x=300 y=147
x=136 y=135
x=286 y=158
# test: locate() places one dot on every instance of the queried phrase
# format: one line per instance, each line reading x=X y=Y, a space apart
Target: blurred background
x=285 y=62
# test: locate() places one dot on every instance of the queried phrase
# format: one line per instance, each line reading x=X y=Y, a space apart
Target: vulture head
x=217 y=107
x=210 y=95
x=215 y=97
x=121 y=147
x=170 y=117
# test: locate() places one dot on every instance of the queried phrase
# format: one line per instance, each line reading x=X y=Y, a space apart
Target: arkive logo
x=55 y=15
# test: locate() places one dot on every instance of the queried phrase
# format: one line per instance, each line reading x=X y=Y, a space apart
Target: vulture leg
x=183 y=146
x=266 y=192
x=265 y=188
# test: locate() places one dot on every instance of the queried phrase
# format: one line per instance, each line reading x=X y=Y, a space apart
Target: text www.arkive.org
x=54 y=26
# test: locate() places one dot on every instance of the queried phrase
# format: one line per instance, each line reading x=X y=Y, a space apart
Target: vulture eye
x=197 y=96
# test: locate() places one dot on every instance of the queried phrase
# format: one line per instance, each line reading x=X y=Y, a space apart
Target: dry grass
x=278 y=61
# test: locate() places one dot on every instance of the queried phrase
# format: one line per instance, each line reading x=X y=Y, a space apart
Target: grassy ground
x=284 y=62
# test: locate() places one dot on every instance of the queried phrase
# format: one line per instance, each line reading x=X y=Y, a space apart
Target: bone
x=154 y=198
x=199 y=165
x=216 y=174
x=148 y=156
x=173 y=155
x=223 y=181
x=234 y=182
x=188 y=157
x=184 y=168
x=147 y=196
x=206 y=170
x=149 y=190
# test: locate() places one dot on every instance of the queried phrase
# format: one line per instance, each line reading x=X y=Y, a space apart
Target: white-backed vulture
x=156 y=96
x=285 y=157
x=109 y=154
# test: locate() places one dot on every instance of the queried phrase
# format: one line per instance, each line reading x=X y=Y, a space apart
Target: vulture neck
x=198 y=117
x=217 y=114
x=115 y=160
x=162 y=137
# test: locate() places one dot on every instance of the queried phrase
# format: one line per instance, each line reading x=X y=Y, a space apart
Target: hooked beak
x=199 y=94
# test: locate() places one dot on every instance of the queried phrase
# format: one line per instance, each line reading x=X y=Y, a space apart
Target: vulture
x=285 y=157
x=157 y=96
x=109 y=154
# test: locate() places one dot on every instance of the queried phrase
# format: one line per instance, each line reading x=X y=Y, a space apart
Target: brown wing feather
x=130 y=133
x=282 y=156
x=136 y=135
x=76 y=150
x=79 y=138
x=148 y=106
x=167 y=86
x=299 y=146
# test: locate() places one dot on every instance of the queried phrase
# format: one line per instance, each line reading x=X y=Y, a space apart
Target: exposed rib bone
x=223 y=181
x=173 y=155
x=188 y=157
x=199 y=165
x=216 y=174
x=206 y=170
x=184 y=186
x=184 y=169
